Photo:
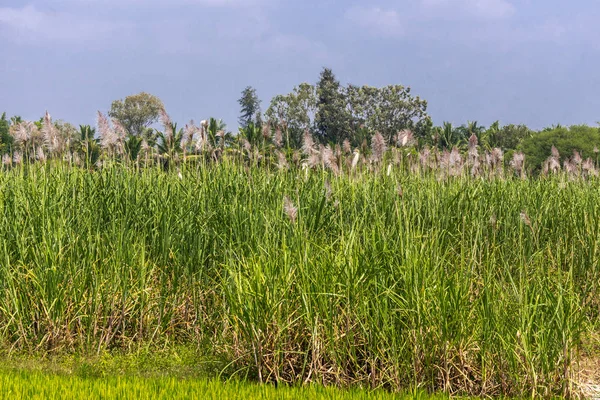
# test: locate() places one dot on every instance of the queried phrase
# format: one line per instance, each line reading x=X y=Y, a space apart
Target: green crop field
x=173 y=373
x=383 y=279
x=29 y=386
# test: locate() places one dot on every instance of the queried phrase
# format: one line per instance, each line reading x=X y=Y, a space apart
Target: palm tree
x=490 y=137
x=133 y=146
x=216 y=132
x=447 y=136
x=460 y=136
x=473 y=128
x=169 y=144
x=89 y=145
x=218 y=138
x=15 y=120
x=253 y=134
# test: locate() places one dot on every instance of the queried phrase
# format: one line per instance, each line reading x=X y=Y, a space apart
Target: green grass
x=172 y=373
x=465 y=286
x=34 y=385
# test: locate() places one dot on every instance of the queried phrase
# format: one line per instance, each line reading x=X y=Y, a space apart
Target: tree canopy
x=250 y=107
x=506 y=137
x=335 y=113
x=581 y=138
x=294 y=113
x=136 y=112
x=5 y=137
x=332 y=120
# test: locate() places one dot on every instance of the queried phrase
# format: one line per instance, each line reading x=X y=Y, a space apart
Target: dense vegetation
x=339 y=238
x=327 y=116
x=29 y=385
x=381 y=278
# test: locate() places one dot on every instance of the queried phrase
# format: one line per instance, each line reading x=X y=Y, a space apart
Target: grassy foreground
x=35 y=385
x=383 y=280
x=178 y=373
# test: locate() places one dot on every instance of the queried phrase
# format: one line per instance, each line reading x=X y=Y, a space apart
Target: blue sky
x=519 y=61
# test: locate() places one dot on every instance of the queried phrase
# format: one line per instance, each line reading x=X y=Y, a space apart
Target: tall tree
x=465 y=131
x=15 y=120
x=293 y=113
x=509 y=137
x=354 y=113
x=250 y=108
x=136 y=112
x=5 y=137
x=387 y=110
x=449 y=136
x=88 y=145
x=332 y=121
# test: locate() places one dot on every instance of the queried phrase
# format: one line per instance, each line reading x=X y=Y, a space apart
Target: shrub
x=581 y=138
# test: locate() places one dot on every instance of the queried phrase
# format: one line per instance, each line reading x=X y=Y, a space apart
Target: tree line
x=330 y=113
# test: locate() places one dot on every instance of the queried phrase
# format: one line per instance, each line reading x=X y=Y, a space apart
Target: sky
x=518 y=61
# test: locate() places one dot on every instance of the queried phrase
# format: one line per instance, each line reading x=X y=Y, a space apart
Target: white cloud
x=28 y=24
x=223 y=3
x=170 y=3
x=296 y=45
x=376 y=20
x=24 y=18
x=493 y=9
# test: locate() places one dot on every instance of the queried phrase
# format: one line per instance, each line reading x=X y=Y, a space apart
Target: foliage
x=169 y=144
x=136 y=112
x=133 y=146
x=67 y=133
x=471 y=128
x=15 y=120
x=335 y=113
x=387 y=110
x=217 y=133
x=332 y=119
x=446 y=136
x=379 y=278
x=254 y=135
x=24 y=384
x=423 y=129
x=150 y=137
x=508 y=137
x=250 y=107
x=5 y=137
x=89 y=145
x=581 y=138
x=294 y=113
